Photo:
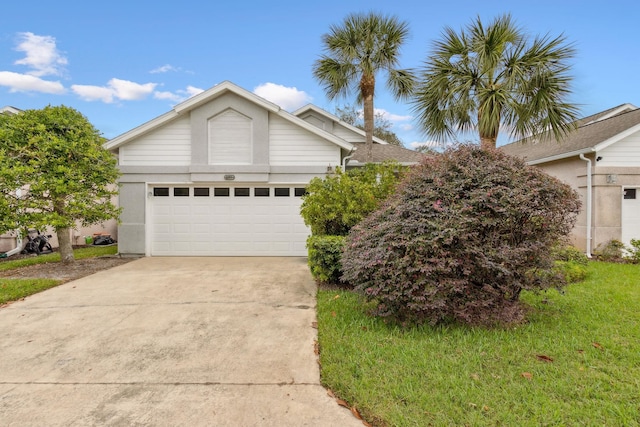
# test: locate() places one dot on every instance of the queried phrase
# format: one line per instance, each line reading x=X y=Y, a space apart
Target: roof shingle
x=591 y=131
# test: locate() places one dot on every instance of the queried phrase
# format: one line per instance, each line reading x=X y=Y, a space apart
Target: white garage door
x=630 y=215
x=219 y=220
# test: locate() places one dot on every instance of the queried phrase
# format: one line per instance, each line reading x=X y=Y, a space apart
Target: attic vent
x=230 y=139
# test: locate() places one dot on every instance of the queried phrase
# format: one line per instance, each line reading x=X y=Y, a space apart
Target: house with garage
x=223 y=173
x=601 y=160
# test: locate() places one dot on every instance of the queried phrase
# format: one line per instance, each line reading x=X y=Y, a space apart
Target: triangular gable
x=211 y=94
x=594 y=133
x=9 y=110
x=312 y=109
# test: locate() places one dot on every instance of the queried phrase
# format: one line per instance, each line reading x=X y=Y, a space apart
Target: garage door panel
x=234 y=225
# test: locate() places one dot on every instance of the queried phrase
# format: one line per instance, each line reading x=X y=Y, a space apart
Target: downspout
x=346 y=159
x=589 y=190
x=17 y=249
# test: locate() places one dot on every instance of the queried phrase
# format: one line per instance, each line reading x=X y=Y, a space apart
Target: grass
x=453 y=375
x=80 y=253
x=15 y=289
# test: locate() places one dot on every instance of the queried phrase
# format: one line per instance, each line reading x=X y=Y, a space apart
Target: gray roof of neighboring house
x=592 y=131
x=382 y=152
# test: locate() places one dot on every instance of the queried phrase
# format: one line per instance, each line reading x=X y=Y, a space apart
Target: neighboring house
x=223 y=174
x=601 y=159
x=9 y=242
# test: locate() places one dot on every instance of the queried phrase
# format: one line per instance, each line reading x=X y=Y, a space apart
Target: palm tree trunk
x=367 y=86
x=66 y=247
x=487 y=142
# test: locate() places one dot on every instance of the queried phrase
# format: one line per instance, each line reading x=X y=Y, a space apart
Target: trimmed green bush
x=325 y=254
x=336 y=203
x=611 y=251
x=465 y=233
x=634 y=251
x=570 y=264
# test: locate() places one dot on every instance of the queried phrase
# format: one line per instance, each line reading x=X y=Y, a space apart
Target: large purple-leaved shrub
x=465 y=233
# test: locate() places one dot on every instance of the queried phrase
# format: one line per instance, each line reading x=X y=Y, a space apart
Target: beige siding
x=623 y=153
x=291 y=145
x=230 y=139
x=347 y=135
x=169 y=145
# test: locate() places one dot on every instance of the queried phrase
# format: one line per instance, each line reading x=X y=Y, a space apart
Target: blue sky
x=122 y=63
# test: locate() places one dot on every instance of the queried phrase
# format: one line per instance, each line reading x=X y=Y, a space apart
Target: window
x=201 y=192
x=241 y=192
x=221 y=192
x=299 y=192
x=161 y=191
x=261 y=192
x=181 y=192
x=282 y=192
x=630 y=193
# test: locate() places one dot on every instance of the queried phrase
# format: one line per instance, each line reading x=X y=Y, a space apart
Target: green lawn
x=14 y=289
x=576 y=362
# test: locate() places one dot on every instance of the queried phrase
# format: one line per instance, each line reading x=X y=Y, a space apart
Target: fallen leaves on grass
x=527 y=375
x=544 y=358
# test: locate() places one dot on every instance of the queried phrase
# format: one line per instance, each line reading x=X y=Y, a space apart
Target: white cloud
x=289 y=98
x=94 y=93
x=179 y=95
x=191 y=91
x=42 y=55
x=170 y=96
x=391 y=117
x=131 y=91
x=28 y=83
x=116 y=89
x=164 y=69
x=406 y=127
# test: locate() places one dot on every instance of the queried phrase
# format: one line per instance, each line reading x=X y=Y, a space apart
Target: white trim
x=207 y=96
x=614 y=112
x=606 y=143
x=561 y=156
x=311 y=107
x=140 y=130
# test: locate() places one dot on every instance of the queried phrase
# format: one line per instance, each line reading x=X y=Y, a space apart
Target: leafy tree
x=355 y=52
x=337 y=202
x=487 y=77
x=462 y=236
x=54 y=172
x=382 y=125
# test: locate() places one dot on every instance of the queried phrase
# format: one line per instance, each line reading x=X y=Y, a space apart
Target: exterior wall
x=133 y=197
x=624 y=153
x=607 y=187
x=289 y=145
x=573 y=172
x=169 y=145
x=347 y=134
x=609 y=183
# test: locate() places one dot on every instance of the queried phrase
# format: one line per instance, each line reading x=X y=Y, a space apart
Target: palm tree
x=354 y=53
x=487 y=77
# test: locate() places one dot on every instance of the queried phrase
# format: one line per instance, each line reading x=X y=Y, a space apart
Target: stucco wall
x=607 y=193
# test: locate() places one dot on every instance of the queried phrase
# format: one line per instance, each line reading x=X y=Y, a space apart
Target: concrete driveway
x=168 y=342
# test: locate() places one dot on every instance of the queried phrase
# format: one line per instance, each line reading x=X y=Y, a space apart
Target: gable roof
x=594 y=132
x=9 y=110
x=310 y=107
x=381 y=150
x=211 y=94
